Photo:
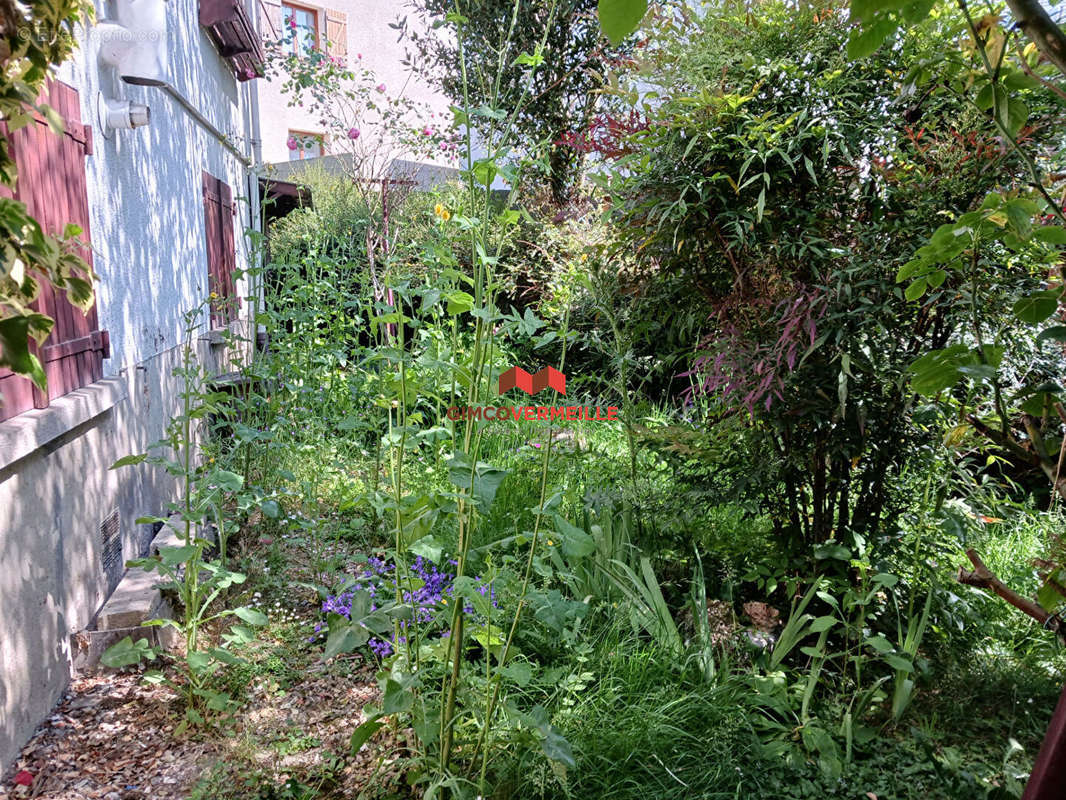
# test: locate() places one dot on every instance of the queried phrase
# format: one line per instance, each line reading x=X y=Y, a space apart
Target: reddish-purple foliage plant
x=606 y=135
x=745 y=363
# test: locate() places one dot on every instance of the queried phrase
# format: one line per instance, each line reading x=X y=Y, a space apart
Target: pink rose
x=381 y=87
x=291 y=143
x=353 y=133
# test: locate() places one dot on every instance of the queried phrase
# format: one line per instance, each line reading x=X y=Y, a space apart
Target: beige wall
x=370 y=36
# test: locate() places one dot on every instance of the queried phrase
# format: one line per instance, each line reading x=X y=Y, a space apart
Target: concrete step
x=134 y=600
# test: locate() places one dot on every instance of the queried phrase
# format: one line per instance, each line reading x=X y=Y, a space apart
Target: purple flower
x=381 y=87
x=353 y=133
x=432 y=588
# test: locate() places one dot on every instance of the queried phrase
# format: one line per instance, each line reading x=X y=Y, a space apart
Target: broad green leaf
x=880 y=644
x=230 y=481
x=127 y=461
x=865 y=41
x=198 y=661
x=619 y=18
x=397 y=698
x=822 y=624
x=832 y=550
x=344 y=636
x=361 y=735
x=1037 y=307
x=251 y=616
x=428 y=548
x=557 y=748
x=126 y=652
x=1050 y=234
x=576 y=543
x=1056 y=333
x=173 y=556
x=898 y=662
x=1049 y=596
x=916 y=289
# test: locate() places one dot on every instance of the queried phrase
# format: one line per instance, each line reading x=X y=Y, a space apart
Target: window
x=300 y=27
x=52 y=185
x=221 y=250
x=303 y=144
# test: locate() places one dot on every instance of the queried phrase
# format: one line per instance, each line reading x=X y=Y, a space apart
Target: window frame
x=294 y=133
x=315 y=14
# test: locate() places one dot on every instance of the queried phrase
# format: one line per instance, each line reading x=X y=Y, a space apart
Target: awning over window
x=281 y=197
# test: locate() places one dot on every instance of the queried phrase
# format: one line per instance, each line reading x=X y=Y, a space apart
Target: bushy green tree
x=789 y=184
x=560 y=97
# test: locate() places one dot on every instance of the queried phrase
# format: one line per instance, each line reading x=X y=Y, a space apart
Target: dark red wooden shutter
x=52 y=185
x=221 y=251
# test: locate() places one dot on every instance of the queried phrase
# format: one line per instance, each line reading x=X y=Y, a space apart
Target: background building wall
x=148 y=232
x=369 y=36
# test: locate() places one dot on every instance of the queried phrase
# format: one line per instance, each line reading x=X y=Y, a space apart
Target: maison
x=155 y=166
x=365 y=38
x=167 y=122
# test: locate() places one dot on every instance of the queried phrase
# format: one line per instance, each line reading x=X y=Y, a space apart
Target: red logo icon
x=518 y=378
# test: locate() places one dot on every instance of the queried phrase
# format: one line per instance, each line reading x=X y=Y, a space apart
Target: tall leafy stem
x=479 y=199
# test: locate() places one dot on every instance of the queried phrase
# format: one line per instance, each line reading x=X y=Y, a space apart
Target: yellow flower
x=445 y=215
x=584 y=257
x=214 y=295
x=551 y=543
x=437 y=209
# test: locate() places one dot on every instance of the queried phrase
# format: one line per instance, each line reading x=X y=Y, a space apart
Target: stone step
x=172 y=534
x=134 y=600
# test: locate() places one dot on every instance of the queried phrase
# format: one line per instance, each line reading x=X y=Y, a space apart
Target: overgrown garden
x=791 y=528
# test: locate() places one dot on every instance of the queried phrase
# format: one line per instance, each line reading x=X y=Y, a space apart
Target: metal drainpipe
x=207 y=124
x=254 y=209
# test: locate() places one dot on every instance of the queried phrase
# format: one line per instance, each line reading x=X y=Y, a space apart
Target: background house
x=362 y=35
x=164 y=206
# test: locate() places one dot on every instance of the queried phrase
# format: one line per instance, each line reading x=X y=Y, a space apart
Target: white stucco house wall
x=61 y=509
